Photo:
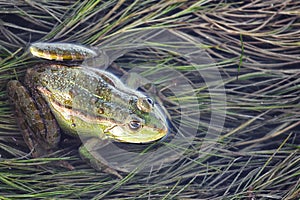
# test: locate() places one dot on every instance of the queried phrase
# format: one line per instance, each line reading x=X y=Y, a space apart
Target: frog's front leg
x=39 y=128
x=88 y=152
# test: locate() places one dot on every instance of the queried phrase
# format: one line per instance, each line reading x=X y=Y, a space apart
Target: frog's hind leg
x=32 y=122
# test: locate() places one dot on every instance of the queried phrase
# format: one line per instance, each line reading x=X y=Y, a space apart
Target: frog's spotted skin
x=81 y=101
x=42 y=136
x=80 y=98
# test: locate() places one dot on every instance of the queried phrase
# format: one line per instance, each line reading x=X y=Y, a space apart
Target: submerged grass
x=247 y=136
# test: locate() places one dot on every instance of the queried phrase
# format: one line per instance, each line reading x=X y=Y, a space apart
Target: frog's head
x=147 y=127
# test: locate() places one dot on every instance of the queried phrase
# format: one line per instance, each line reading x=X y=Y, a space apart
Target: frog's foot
x=100 y=61
x=65 y=164
x=88 y=152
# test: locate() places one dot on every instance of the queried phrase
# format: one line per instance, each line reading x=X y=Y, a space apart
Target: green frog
x=80 y=101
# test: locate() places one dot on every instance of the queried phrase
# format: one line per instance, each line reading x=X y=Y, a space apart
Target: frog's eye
x=150 y=101
x=135 y=125
x=145 y=104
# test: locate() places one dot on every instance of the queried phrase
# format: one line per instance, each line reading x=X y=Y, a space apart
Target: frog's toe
x=113 y=172
x=97 y=162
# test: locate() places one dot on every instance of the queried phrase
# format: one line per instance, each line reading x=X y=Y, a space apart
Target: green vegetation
x=248 y=135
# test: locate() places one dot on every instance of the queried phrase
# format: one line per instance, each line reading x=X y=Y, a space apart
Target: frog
x=82 y=101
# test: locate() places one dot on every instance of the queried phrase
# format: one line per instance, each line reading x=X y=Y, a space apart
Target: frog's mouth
x=144 y=135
